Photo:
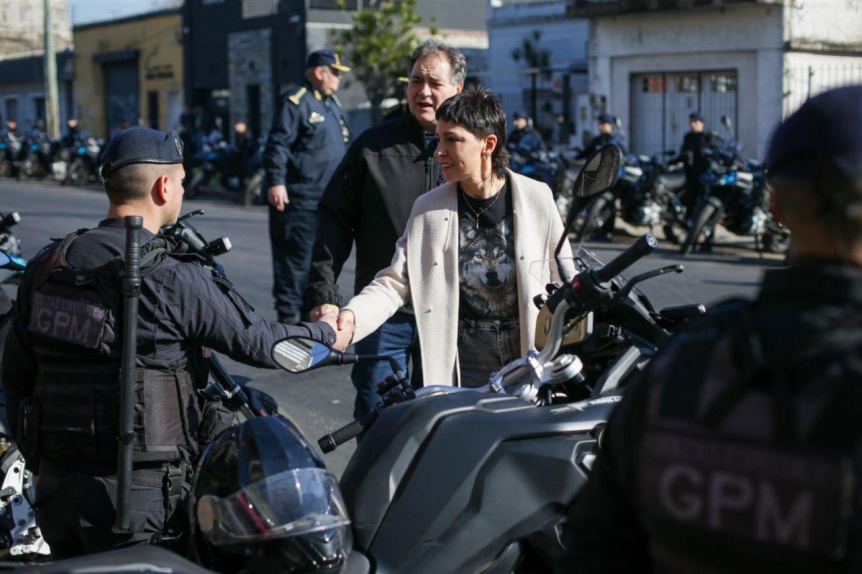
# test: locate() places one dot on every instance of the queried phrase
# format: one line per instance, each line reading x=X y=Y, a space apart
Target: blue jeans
x=291 y=235
x=396 y=338
x=486 y=346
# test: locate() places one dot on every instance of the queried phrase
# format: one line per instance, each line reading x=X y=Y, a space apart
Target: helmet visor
x=286 y=504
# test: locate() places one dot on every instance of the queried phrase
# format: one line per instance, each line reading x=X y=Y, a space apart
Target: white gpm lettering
x=62 y=325
x=686 y=493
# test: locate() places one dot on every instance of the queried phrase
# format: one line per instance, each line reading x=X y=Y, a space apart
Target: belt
x=497 y=324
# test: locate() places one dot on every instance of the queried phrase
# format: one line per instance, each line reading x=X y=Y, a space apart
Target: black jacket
x=807 y=318
x=368 y=200
x=182 y=307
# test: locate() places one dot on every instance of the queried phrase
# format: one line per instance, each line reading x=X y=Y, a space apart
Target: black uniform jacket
x=181 y=309
x=369 y=200
x=306 y=142
x=797 y=310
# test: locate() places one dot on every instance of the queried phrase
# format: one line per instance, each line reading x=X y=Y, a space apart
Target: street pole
x=52 y=119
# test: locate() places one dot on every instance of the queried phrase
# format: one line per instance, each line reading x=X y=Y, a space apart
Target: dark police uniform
x=695 y=161
x=308 y=138
x=738 y=450
x=603 y=139
x=62 y=360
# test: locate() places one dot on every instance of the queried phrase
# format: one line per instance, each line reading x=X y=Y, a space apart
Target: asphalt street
x=321 y=401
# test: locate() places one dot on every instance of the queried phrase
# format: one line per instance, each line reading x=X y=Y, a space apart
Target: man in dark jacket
x=307 y=140
x=737 y=450
x=369 y=200
x=61 y=360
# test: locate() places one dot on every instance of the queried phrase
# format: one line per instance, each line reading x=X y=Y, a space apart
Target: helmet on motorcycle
x=263 y=501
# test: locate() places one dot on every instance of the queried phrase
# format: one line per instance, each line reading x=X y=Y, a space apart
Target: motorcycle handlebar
x=644 y=245
x=330 y=442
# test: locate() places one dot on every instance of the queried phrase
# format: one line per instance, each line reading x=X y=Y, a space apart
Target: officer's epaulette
x=298 y=95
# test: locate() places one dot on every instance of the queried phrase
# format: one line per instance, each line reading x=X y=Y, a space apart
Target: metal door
x=661 y=103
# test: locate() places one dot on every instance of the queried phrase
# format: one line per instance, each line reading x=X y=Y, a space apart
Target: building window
x=258 y=8
x=655 y=84
x=39 y=107
x=11 y=109
x=335 y=4
x=688 y=84
x=723 y=82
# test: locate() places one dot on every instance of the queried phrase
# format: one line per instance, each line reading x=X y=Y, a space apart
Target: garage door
x=662 y=101
x=121 y=95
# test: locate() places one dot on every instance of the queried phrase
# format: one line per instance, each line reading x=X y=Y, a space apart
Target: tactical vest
x=75 y=321
x=737 y=470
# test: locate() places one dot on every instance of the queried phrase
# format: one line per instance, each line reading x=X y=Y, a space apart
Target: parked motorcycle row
x=238 y=171
x=649 y=194
x=214 y=165
x=35 y=156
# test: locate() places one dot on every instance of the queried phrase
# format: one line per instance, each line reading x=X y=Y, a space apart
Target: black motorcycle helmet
x=263 y=501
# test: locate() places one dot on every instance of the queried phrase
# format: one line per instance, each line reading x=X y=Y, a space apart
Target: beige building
x=129 y=71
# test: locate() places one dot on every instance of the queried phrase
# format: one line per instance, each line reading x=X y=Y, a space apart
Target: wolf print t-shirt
x=486 y=260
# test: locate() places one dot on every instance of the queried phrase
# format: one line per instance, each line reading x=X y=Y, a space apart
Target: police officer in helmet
x=62 y=359
x=738 y=448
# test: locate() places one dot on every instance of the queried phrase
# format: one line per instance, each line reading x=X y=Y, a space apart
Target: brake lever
x=624 y=292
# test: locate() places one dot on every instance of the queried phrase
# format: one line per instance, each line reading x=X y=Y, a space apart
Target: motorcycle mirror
x=600 y=172
x=301 y=354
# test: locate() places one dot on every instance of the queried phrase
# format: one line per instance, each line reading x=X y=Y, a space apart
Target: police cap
x=325 y=58
x=826 y=131
x=696 y=117
x=141 y=145
x=605 y=118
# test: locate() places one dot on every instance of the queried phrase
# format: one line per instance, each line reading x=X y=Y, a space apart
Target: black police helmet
x=263 y=501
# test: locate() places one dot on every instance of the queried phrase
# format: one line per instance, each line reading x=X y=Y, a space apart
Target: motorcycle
x=735 y=194
x=638 y=198
x=221 y=159
x=83 y=163
x=20 y=537
x=423 y=499
x=547 y=167
x=10 y=149
x=36 y=158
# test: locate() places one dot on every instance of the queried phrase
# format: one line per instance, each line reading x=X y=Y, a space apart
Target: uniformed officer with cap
x=738 y=448
x=607 y=135
x=694 y=158
x=62 y=358
x=307 y=140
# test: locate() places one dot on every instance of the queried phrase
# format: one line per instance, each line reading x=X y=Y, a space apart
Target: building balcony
x=600 y=8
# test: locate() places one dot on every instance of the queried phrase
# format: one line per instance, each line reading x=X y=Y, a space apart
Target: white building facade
x=655 y=61
x=550 y=94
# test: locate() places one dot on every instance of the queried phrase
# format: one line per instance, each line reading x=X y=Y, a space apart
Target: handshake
x=343 y=323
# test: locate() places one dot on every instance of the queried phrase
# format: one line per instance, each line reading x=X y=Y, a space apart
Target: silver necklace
x=481 y=211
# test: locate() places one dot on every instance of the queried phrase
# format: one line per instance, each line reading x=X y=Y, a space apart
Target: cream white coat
x=424 y=270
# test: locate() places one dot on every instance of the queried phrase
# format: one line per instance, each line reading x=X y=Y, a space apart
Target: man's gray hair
x=437 y=47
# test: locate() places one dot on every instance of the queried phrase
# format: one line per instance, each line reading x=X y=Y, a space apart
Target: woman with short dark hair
x=464 y=259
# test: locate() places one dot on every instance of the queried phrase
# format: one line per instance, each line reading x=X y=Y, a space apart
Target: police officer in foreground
x=738 y=449
x=308 y=138
x=62 y=359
